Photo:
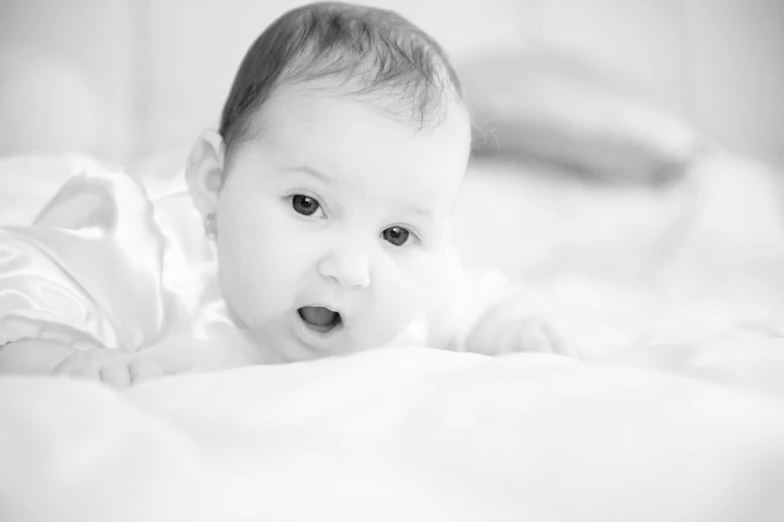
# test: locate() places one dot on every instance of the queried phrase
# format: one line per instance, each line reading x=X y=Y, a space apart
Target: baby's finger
x=563 y=343
x=77 y=366
x=144 y=369
x=533 y=337
x=486 y=336
x=116 y=375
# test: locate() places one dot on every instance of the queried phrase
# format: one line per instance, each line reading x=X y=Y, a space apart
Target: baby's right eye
x=304 y=205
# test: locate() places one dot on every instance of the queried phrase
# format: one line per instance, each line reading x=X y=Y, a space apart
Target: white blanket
x=409 y=434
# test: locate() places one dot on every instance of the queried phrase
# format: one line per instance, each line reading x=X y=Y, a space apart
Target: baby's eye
x=398 y=236
x=304 y=205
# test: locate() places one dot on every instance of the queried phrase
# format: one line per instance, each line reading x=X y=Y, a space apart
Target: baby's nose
x=349 y=267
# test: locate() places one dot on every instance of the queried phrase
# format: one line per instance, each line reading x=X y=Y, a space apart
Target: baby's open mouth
x=319 y=318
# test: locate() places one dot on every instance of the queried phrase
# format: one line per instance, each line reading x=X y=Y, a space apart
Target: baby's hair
x=369 y=53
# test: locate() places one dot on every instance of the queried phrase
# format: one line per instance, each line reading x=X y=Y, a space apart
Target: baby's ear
x=204 y=171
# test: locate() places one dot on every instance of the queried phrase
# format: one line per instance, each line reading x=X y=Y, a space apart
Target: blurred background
x=121 y=79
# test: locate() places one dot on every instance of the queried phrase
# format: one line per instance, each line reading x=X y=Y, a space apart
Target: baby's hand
x=515 y=326
x=113 y=367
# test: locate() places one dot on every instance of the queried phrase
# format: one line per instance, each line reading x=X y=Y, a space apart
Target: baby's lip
x=321 y=319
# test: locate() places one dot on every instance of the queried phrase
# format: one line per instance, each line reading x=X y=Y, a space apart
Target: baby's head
x=331 y=183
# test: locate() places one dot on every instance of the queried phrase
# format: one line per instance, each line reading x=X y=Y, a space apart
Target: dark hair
x=370 y=51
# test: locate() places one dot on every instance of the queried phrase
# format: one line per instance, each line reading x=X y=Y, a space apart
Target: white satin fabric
x=109 y=262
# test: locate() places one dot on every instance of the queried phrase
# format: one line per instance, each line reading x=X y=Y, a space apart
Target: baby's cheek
x=253 y=283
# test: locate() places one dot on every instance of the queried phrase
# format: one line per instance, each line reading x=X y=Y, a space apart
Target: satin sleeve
x=87 y=271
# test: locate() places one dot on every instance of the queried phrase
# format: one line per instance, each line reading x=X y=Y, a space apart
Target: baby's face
x=333 y=221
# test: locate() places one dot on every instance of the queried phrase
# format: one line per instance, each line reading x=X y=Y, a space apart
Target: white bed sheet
x=408 y=434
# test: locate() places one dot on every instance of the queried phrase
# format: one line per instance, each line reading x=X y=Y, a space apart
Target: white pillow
x=560 y=109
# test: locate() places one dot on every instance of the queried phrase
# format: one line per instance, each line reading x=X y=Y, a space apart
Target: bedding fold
x=406 y=434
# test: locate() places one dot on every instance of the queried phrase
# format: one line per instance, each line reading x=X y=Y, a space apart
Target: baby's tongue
x=317 y=315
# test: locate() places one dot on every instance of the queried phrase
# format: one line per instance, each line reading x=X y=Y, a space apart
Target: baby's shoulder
x=97 y=251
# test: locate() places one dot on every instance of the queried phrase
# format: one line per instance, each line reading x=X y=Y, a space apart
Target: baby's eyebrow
x=311 y=171
x=424 y=212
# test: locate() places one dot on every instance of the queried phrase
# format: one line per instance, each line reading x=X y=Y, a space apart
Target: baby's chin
x=292 y=338
x=289 y=349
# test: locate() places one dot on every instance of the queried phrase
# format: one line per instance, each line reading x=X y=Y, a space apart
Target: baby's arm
x=50 y=324
x=486 y=313
x=36 y=356
x=517 y=323
x=81 y=303
x=41 y=356
x=225 y=348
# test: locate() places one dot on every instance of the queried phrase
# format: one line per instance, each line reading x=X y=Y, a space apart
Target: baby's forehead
x=446 y=109
x=352 y=138
x=303 y=113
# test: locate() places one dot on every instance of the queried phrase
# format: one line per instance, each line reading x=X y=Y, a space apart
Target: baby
x=327 y=192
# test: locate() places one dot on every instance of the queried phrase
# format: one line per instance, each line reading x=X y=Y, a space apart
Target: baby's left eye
x=398 y=236
x=304 y=205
